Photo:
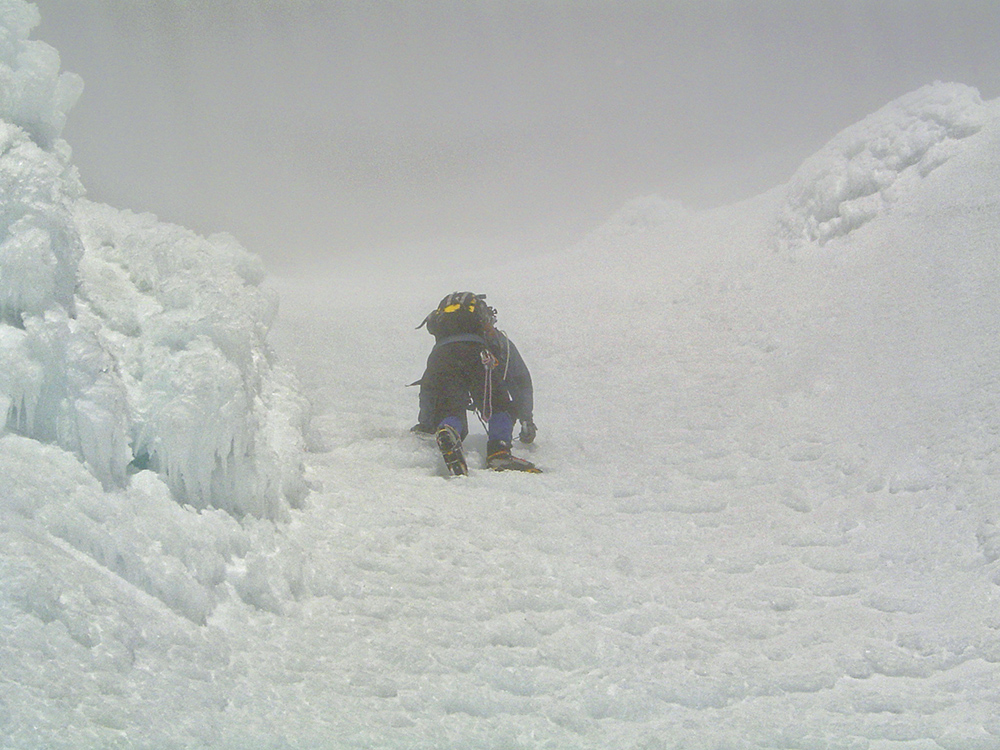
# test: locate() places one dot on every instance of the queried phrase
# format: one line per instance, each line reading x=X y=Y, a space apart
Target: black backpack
x=458 y=313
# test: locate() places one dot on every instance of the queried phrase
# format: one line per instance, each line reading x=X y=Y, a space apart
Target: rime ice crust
x=144 y=425
x=858 y=174
x=34 y=95
x=128 y=342
x=186 y=322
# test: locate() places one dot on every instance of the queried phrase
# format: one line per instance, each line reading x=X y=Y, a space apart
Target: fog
x=406 y=132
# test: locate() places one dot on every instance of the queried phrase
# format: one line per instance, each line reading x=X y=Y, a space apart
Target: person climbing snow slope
x=474 y=365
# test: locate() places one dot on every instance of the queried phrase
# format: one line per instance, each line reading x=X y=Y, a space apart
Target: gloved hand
x=528 y=431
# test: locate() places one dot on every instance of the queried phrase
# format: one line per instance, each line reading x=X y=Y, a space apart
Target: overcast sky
x=353 y=128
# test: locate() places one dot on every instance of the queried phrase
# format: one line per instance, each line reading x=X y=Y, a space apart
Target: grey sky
x=348 y=129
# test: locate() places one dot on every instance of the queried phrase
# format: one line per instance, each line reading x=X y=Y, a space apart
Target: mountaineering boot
x=499 y=458
x=450 y=445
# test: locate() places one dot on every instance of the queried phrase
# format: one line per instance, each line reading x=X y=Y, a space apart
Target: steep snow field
x=769 y=516
x=772 y=453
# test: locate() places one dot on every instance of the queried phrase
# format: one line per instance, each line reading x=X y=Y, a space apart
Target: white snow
x=769 y=518
x=856 y=177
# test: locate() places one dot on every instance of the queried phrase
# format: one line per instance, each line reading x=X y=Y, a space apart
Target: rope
x=489 y=363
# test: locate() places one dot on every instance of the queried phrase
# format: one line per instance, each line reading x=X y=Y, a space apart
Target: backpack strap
x=461 y=337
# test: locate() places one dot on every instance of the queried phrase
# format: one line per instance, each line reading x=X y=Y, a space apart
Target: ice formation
x=128 y=342
x=856 y=175
x=34 y=95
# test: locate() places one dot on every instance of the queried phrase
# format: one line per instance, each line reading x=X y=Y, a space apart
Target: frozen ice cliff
x=136 y=379
x=130 y=343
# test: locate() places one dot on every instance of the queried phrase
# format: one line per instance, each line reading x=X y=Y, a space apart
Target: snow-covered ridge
x=858 y=173
x=641 y=214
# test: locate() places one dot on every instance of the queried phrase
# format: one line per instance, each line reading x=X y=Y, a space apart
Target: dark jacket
x=515 y=375
x=511 y=371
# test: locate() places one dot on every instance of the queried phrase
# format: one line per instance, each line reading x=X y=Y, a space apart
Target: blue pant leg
x=500 y=428
x=458 y=424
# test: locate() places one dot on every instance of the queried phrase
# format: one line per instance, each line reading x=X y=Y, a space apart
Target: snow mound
x=185 y=561
x=643 y=214
x=119 y=531
x=858 y=174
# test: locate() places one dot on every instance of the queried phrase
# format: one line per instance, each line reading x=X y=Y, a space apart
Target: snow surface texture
x=768 y=520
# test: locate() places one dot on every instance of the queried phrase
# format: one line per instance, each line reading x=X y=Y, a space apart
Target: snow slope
x=769 y=515
x=768 y=520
